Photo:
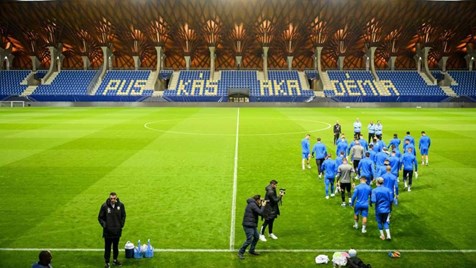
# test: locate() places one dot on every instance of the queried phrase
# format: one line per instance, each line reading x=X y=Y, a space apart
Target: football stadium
x=153 y=125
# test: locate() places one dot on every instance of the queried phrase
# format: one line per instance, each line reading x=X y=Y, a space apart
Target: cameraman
x=254 y=208
x=271 y=211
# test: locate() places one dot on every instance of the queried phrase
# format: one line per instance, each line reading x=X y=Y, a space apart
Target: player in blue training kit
x=360 y=202
x=424 y=146
x=366 y=168
x=390 y=181
x=382 y=198
x=306 y=151
x=363 y=142
x=408 y=144
x=329 y=168
x=410 y=138
x=380 y=157
x=408 y=162
x=342 y=146
x=319 y=152
x=395 y=163
x=395 y=141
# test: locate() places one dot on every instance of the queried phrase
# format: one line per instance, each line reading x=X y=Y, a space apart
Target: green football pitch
x=184 y=175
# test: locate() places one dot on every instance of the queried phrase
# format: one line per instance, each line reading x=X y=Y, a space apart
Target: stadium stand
x=67 y=83
x=466 y=83
x=360 y=86
x=10 y=82
x=125 y=83
x=281 y=86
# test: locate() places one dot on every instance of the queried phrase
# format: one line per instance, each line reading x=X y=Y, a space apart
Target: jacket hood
x=250 y=200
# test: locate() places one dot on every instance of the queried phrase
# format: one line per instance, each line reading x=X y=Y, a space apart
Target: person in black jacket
x=112 y=217
x=254 y=209
x=271 y=211
x=337 y=131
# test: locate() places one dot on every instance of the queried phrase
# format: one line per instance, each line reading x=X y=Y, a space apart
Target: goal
x=12 y=104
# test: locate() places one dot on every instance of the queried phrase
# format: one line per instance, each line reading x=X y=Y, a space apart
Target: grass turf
x=174 y=169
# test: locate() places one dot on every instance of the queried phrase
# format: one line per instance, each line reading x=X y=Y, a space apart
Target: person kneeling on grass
x=254 y=209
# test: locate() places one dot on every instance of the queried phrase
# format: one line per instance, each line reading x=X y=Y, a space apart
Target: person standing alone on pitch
x=112 y=217
x=271 y=211
x=337 y=132
x=424 y=146
x=319 y=152
x=254 y=209
x=306 y=151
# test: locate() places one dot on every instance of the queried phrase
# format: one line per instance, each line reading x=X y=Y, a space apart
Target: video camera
x=262 y=202
x=282 y=191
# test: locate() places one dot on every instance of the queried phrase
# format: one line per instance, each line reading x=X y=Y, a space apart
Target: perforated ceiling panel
x=238 y=27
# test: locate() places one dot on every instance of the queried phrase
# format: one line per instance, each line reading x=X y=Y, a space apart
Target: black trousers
x=107 y=248
x=336 y=137
x=319 y=164
x=371 y=137
x=269 y=223
x=408 y=174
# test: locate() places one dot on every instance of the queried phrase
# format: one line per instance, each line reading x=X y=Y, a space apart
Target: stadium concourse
x=201 y=86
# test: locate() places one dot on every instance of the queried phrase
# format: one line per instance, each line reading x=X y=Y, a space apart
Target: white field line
x=194 y=250
x=235 y=185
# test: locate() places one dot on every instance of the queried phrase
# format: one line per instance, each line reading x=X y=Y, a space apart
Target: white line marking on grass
x=235 y=184
x=206 y=250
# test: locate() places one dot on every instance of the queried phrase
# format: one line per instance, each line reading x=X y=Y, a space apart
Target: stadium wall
x=327 y=104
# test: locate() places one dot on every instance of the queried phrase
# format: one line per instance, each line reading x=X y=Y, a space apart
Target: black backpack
x=356 y=262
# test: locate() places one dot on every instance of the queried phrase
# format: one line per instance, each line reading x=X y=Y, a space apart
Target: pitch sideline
x=197 y=250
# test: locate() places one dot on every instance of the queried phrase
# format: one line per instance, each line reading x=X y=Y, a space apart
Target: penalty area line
x=204 y=250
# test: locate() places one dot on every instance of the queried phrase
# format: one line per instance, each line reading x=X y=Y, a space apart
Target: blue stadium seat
x=10 y=82
x=466 y=83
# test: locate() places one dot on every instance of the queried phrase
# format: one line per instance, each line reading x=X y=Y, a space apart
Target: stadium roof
x=238 y=27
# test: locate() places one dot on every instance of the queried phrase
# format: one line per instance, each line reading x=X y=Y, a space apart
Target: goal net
x=12 y=104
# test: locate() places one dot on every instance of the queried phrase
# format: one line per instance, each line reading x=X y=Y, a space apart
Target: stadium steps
x=152 y=79
x=319 y=94
x=28 y=90
x=303 y=80
x=426 y=79
x=217 y=76
x=25 y=81
x=158 y=94
x=453 y=81
x=448 y=91
x=96 y=87
x=260 y=76
x=50 y=79
x=174 y=80
x=326 y=81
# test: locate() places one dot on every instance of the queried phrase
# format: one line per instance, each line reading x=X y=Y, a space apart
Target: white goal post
x=12 y=104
